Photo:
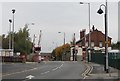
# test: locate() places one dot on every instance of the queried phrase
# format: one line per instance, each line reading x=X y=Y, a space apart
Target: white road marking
x=31 y=70
x=30 y=77
x=55 y=69
x=74 y=61
x=45 y=72
x=18 y=72
x=42 y=73
x=61 y=66
x=87 y=71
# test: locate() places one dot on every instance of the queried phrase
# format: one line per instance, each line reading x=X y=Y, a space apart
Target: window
x=92 y=44
x=84 y=49
x=86 y=44
x=100 y=44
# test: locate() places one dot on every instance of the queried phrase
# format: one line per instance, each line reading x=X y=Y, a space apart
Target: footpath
x=97 y=72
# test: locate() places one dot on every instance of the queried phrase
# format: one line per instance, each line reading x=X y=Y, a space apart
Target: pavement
x=96 y=71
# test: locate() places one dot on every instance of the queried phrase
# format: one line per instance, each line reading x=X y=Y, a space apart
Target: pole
x=10 y=21
x=13 y=35
x=64 y=38
x=105 y=43
x=74 y=56
x=106 y=66
x=89 y=33
x=106 y=37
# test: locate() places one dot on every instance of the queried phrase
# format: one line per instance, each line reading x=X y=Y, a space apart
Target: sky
x=58 y=16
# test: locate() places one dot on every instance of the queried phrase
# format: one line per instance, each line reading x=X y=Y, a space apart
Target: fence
x=113 y=59
x=12 y=59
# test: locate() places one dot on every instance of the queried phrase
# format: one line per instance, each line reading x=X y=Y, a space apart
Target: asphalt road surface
x=43 y=70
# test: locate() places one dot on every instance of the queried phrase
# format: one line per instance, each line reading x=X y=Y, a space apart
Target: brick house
x=97 y=39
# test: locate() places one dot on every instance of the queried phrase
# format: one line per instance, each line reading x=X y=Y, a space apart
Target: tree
x=116 y=45
x=62 y=52
x=5 y=43
x=22 y=41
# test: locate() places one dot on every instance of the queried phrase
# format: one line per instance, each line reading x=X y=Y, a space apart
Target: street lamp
x=64 y=36
x=13 y=11
x=10 y=22
x=100 y=11
x=63 y=43
x=89 y=57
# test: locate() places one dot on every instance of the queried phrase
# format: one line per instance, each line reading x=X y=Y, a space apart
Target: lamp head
x=81 y=3
x=100 y=11
x=59 y=32
x=13 y=11
x=10 y=20
x=33 y=23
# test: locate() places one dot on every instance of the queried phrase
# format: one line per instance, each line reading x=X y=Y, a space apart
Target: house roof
x=91 y=32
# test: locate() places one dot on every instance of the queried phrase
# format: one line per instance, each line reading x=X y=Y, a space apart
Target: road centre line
x=61 y=66
x=45 y=72
x=18 y=72
x=55 y=69
x=52 y=69
x=30 y=70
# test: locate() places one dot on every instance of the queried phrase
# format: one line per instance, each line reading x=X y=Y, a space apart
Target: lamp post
x=100 y=11
x=13 y=11
x=10 y=22
x=74 y=49
x=89 y=53
x=63 y=43
x=64 y=37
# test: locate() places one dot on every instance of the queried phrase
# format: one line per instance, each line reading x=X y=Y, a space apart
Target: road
x=44 y=70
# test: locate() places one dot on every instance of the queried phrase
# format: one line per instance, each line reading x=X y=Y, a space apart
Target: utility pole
x=10 y=22
x=89 y=47
x=74 y=50
x=13 y=11
x=100 y=11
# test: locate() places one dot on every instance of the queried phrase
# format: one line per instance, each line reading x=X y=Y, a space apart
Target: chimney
x=93 y=28
x=82 y=33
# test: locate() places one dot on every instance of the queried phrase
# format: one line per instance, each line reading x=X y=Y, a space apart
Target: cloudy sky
x=58 y=16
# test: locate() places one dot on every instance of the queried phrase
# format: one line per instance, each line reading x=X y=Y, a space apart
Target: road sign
x=107 y=42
